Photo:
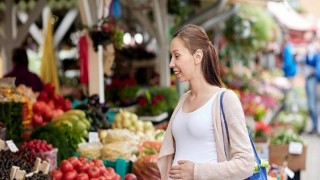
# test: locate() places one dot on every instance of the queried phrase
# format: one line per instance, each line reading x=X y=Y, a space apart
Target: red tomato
x=103 y=171
x=56 y=174
x=130 y=176
x=110 y=171
x=116 y=177
x=37 y=120
x=102 y=178
x=74 y=161
x=66 y=166
x=98 y=162
x=83 y=167
x=82 y=176
x=93 y=172
x=83 y=159
x=71 y=175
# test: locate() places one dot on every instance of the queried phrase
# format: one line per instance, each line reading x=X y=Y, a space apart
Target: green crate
x=121 y=166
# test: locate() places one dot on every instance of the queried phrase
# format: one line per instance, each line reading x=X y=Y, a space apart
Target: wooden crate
x=279 y=153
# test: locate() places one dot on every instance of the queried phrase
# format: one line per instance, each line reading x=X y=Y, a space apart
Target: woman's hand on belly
x=183 y=171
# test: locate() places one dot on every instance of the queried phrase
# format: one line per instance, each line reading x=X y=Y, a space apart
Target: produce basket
x=50 y=156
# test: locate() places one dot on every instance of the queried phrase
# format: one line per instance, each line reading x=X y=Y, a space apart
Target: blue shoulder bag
x=262 y=173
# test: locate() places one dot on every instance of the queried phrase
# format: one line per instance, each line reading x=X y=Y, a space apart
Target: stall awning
x=289 y=17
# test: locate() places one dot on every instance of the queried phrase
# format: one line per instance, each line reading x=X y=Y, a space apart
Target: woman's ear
x=198 y=55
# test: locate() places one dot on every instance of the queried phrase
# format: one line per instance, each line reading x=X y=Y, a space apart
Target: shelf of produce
x=159 y=118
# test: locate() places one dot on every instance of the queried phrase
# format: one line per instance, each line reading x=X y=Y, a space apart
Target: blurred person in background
x=21 y=72
x=289 y=66
x=312 y=72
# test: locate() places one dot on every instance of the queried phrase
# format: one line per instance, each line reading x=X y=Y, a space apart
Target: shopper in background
x=194 y=146
x=21 y=72
x=312 y=72
x=289 y=65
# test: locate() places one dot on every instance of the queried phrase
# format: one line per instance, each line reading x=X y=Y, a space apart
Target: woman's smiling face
x=182 y=61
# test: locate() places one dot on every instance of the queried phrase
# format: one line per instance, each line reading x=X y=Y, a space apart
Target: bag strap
x=227 y=131
x=223 y=115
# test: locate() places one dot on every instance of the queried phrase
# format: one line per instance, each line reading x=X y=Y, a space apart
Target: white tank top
x=194 y=135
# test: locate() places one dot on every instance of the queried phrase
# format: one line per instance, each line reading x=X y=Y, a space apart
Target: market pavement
x=312 y=171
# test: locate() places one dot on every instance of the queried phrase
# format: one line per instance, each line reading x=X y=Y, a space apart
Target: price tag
x=295 y=148
x=289 y=172
x=12 y=146
x=93 y=137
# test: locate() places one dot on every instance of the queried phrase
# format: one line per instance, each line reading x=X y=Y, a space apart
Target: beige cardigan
x=241 y=162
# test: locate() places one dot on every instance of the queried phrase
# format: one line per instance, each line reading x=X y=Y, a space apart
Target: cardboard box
x=279 y=153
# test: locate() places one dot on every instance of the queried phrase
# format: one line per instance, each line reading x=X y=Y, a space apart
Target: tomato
x=102 y=178
x=37 y=120
x=103 y=171
x=93 y=172
x=83 y=167
x=98 y=162
x=116 y=177
x=71 y=175
x=82 y=176
x=83 y=159
x=56 y=174
x=130 y=176
x=66 y=166
x=74 y=161
x=110 y=171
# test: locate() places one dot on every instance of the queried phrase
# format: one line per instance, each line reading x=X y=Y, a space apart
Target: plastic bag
x=90 y=150
x=50 y=156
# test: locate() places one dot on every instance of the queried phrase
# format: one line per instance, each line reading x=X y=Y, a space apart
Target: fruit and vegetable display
x=43 y=150
x=146 y=166
x=83 y=169
x=49 y=106
x=118 y=143
x=64 y=132
x=22 y=159
x=285 y=137
x=11 y=117
x=90 y=150
x=127 y=120
x=95 y=113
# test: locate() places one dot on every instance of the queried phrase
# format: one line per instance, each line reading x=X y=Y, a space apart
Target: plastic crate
x=120 y=166
x=110 y=115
